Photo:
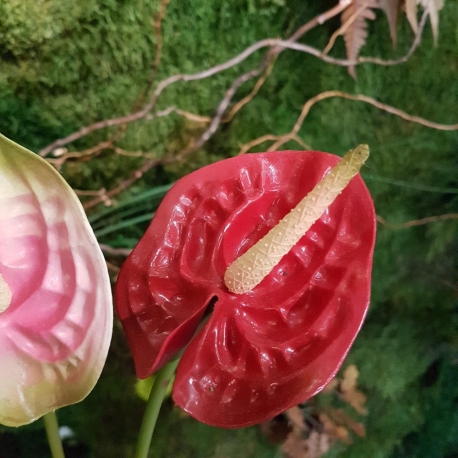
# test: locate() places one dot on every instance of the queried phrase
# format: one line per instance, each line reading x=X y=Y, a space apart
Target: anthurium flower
x=55 y=297
x=260 y=352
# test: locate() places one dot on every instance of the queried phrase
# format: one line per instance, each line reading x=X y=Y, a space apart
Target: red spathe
x=261 y=352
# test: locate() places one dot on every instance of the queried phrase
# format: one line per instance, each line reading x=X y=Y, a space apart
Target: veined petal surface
x=56 y=327
x=264 y=351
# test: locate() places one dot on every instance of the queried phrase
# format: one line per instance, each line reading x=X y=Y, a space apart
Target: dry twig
x=269 y=42
x=241 y=103
x=141 y=98
x=115 y=251
x=417 y=222
x=279 y=140
x=292 y=135
x=275 y=47
x=122 y=186
x=81 y=192
x=158 y=34
x=93 y=151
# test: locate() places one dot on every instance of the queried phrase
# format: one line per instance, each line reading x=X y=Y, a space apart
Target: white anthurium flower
x=56 y=314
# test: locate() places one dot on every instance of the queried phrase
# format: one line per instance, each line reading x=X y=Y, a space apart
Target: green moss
x=66 y=64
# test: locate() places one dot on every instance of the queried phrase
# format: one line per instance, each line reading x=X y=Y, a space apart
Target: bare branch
x=192 y=116
x=82 y=192
x=317 y=20
x=241 y=103
x=93 y=151
x=123 y=152
x=360 y=60
x=321 y=19
x=157 y=32
x=417 y=222
x=112 y=267
x=278 y=139
x=123 y=185
x=141 y=98
x=292 y=135
x=216 y=121
x=269 y=42
x=115 y=251
x=415 y=44
x=393 y=111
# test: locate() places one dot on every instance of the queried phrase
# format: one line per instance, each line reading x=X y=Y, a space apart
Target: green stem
x=158 y=390
x=52 y=432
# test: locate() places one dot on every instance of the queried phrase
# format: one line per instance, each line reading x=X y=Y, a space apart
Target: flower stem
x=52 y=432
x=158 y=390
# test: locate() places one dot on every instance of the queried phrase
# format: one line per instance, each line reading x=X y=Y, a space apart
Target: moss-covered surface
x=65 y=64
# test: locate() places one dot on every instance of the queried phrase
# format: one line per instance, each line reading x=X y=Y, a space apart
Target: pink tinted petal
x=55 y=333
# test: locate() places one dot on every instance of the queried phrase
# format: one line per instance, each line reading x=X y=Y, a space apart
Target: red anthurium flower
x=263 y=351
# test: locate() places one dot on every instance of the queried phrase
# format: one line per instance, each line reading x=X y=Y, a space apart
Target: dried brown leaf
x=295 y=445
x=433 y=7
x=350 y=378
x=295 y=416
x=357 y=400
x=391 y=9
x=410 y=7
x=317 y=444
x=356 y=33
x=350 y=393
x=339 y=416
x=331 y=386
x=334 y=431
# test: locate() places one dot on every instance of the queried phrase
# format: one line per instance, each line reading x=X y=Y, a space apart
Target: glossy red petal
x=267 y=350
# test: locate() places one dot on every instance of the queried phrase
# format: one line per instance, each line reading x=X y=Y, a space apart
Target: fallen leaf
x=317 y=444
x=350 y=377
x=336 y=432
x=349 y=391
x=339 y=416
x=295 y=445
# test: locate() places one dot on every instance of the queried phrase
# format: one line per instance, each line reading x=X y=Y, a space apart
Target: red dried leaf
x=261 y=352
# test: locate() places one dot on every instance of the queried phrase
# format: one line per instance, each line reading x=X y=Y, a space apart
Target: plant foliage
x=66 y=64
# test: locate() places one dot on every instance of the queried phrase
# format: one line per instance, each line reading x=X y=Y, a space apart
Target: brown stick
x=123 y=185
x=157 y=32
x=269 y=42
x=292 y=135
x=219 y=114
x=278 y=139
x=417 y=222
x=241 y=103
x=115 y=251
